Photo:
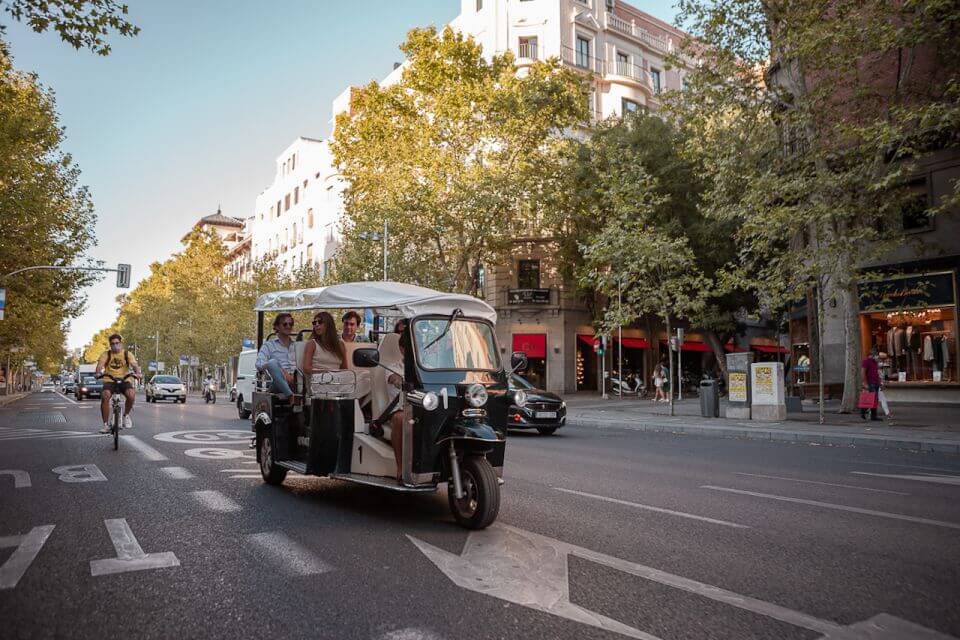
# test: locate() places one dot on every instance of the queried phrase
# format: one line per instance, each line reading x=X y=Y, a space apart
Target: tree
x=46 y=218
x=813 y=115
x=452 y=157
x=79 y=23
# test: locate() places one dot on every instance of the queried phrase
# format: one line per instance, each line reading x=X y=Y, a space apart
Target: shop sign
x=910 y=292
x=528 y=296
x=738 y=386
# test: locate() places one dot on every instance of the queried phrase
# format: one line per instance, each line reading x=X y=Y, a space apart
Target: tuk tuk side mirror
x=367 y=357
x=518 y=362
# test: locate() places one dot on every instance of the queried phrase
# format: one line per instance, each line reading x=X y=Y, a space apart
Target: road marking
x=910 y=466
x=838 y=507
x=249 y=462
x=214 y=454
x=77 y=473
x=67 y=398
x=130 y=556
x=248 y=477
x=828 y=484
x=28 y=546
x=656 y=509
x=25 y=433
x=177 y=473
x=21 y=479
x=937 y=479
x=236 y=470
x=201 y=436
x=146 y=450
x=215 y=501
x=292 y=556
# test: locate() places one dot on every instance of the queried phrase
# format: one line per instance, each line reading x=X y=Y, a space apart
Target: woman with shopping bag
x=871 y=386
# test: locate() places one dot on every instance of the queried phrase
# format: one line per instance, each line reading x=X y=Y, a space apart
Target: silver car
x=163 y=387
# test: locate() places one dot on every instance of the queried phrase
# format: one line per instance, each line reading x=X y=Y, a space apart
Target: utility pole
x=385 y=233
x=620 y=337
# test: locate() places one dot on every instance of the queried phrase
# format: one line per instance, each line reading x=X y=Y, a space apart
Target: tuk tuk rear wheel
x=481 y=500
x=272 y=474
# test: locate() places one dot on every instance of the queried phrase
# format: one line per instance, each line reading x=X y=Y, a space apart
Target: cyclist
x=117 y=363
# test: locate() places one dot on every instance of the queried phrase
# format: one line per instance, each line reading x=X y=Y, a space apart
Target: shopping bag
x=868 y=400
x=882 y=399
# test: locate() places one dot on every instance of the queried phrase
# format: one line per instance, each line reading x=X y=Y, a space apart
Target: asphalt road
x=601 y=534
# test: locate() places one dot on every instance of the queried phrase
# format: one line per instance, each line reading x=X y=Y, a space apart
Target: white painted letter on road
x=28 y=547
x=79 y=473
x=214 y=454
x=21 y=479
x=130 y=556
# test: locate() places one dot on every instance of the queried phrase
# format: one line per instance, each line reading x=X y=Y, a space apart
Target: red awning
x=588 y=340
x=732 y=348
x=533 y=344
x=766 y=348
x=634 y=343
x=692 y=345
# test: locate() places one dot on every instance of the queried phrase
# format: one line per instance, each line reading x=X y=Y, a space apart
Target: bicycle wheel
x=116 y=427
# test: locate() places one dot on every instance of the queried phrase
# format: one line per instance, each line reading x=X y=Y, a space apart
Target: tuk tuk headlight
x=520 y=398
x=430 y=401
x=475 y=395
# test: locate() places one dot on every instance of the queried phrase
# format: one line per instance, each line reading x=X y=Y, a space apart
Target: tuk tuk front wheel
x=272 y=474
x=481 y=494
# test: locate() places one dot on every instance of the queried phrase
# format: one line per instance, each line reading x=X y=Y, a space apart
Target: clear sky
x=192 y=112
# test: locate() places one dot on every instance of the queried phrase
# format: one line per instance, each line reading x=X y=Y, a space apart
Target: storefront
x=535 y=346
x=911 y=321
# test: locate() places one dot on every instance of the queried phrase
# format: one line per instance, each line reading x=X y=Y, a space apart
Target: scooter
x=630 y=385
x=210 y=393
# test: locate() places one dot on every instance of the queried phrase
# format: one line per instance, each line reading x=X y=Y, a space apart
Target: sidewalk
x=5 y=400
x=913 y=428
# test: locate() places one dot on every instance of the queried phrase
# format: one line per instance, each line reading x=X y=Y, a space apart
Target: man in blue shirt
x=276 y=357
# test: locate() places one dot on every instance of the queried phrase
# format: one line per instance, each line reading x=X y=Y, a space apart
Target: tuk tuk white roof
x=386 y=298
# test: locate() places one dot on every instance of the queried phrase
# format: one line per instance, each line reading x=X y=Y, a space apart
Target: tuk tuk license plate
x=546 y=414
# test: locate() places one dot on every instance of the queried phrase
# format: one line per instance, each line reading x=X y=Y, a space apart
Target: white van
x=246 y=380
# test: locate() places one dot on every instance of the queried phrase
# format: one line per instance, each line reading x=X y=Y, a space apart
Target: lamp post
x=376 y=236
x=620 y=337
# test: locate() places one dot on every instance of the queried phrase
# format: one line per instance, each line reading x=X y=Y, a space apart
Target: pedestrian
x=871 y=382
x=659 y=380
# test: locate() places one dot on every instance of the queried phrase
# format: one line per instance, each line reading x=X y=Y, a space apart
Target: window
x=310 y=218
x=286 y=202
x=479 y=5
x=304 y=185
x=583 y=52
x=310 y=251
x=623 y=64
x=294 y=239
x=296 y=195
x=528 y=274
x=628 y=106
x=327 y=267
x=278 y=208
x=655 y=77
x=915 y=213
x=527 y=48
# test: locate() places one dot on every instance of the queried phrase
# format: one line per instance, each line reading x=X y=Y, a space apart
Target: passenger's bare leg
x=396 y=438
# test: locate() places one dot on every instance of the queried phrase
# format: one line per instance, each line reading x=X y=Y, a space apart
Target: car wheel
x=481 y=494
x=244 y=414
x=272 y=474
x=547 y=431
x=183 y=401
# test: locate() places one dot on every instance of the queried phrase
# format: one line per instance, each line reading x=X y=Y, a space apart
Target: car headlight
x=83 y=388
x=475 y=395
x=563 y=405
x=430 y=401
x=520 y=398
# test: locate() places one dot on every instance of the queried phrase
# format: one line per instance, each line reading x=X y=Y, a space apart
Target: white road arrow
x=528 y=569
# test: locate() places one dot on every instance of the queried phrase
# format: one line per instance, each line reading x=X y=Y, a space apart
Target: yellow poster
x=738 y=387
x=763 y=380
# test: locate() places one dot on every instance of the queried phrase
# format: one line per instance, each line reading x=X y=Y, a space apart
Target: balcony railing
x=635 y=72
x=620 y=25
x=527 y=50
x=582 y=60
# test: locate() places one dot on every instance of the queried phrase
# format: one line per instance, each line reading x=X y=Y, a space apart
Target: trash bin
x=709 y=399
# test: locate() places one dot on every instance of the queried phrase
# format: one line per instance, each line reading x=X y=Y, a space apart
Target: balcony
x=639 y=34
x=634 y=73
x=528 y=297
x=581 y=60
x=527 y=51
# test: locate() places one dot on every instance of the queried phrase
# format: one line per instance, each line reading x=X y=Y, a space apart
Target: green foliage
x=80 y=23
x=454 y=157
x=46 y=218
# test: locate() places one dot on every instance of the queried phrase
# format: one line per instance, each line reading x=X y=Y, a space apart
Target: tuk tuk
x=454 y=398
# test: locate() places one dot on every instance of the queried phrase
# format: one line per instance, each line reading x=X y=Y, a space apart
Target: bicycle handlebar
x=107 y=375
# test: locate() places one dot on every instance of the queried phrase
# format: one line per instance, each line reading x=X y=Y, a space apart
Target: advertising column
x=738 y=385
x=767 y=395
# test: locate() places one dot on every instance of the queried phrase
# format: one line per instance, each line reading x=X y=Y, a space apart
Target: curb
x=778 y=435
x=5 y=400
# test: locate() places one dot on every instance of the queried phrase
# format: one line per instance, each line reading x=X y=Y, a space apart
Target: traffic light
x=123 y=276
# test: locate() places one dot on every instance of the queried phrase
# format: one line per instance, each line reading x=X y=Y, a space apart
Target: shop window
x=915 y=213
x=528 y=274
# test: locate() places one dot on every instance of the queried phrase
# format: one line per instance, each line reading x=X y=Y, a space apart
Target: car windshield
x=516 y=382
x=89 y=380
x=466 y=344
x=167 y=379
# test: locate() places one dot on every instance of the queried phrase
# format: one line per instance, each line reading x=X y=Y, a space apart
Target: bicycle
x=117 y=401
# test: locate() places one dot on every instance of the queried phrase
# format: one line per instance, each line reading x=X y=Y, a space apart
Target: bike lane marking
x=826 y=484
x=290 y=555
x=837 y=507
x=177 y=473
x=648 y=507
x=130 y=555
x=27 y=548
x=145 y=450
x=21 y=479
x=215 y=501
x=76 y=473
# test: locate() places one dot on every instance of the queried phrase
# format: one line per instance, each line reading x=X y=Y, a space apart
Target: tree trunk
x=851 y=359
x=714 y=341
x=820 y=350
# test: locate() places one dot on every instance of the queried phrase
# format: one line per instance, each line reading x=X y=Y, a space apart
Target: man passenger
x=275 y=357
x=351 y=323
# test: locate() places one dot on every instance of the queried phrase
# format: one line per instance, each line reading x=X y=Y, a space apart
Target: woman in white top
x=325 y=351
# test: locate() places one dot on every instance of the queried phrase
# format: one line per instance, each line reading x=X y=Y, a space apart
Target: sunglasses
x=286 y=324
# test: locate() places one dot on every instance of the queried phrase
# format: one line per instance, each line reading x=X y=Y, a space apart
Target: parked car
x=48 y=387
x=246 y=381
x=164 y=387
x=544 y=411
x=89 y=387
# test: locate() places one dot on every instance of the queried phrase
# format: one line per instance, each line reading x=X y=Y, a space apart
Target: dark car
x=544 y=411
x=69 y=386
x=89 y=387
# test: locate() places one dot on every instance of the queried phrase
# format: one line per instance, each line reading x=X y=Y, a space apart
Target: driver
x=117 y=363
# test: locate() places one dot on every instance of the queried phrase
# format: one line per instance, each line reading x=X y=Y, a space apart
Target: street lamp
x=376 y=236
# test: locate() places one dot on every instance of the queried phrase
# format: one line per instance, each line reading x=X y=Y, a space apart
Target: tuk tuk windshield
x=466 y=344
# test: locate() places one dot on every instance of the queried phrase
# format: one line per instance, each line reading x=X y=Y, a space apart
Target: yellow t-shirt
x=117 y=365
